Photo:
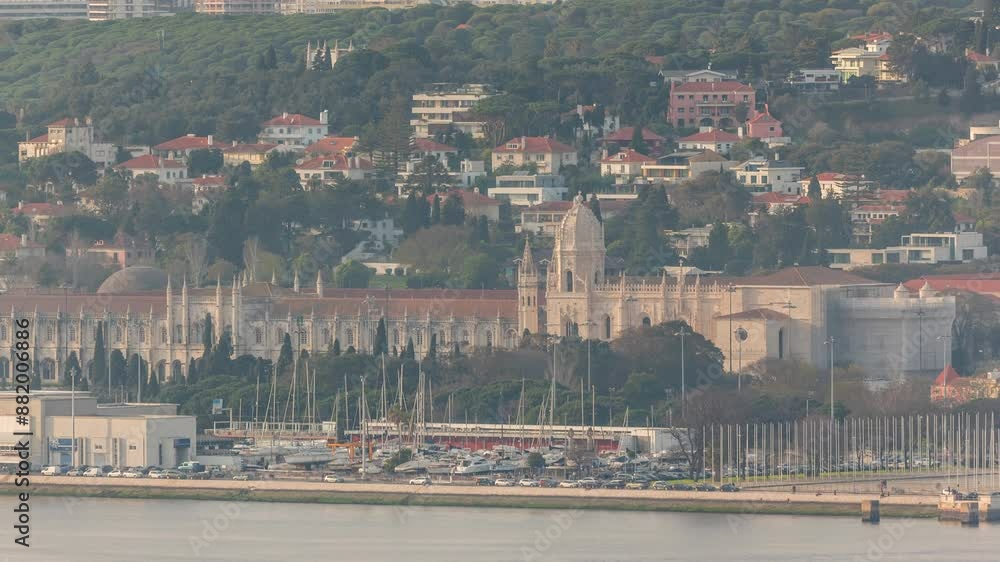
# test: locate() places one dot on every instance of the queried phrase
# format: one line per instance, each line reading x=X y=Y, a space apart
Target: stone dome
x=135 y=279
x=580 y=229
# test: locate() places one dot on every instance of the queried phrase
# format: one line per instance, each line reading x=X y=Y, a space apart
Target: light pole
x=683 y=332
x=731 y=290
x=72 y=414
x=945 y=338
x=741 y=336
x=831 y=341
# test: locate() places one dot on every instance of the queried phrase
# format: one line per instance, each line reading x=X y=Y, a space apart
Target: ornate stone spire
x=274 y=276
x=528 y=261
x=319 y=283
x=295 y=281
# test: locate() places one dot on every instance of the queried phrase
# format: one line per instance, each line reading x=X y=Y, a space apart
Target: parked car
x=660 y=485
x=703 y=487
x=484 y=481
x=333 y=479
x=503 y=482
x=682 y=487
x=76 y=471
x=156 y=474
x=588 y=483
x=614 y=484
x=172 y=474
x=244 y=476
x=133 y=473
x=54 y=470
x=569 y=484
x=730 y=488
x=94 y=472
x=116 y=473
x=421 y=481
x=635 y=486
x=529 y=483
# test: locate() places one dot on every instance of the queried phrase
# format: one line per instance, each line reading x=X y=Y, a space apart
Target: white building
x=917 y=248
x=326 y=170
x=67 y=135
x=833 y=184
x=443 y=107
x=685 y=165
x=30 y=9
x=109 y=10
x=293 y=131
x=712 y=139
x=760 y=174
x=114 y=435
x=810 y=80
x=170 y=172
x=625 y=165
x=547 y=154
x=524 y=188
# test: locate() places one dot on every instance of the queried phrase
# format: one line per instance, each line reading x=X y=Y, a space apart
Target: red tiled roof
x=41 y=209
x=628 y=156
x=40 y=138
x=763 y=116
x=876 y=36
x=721 y=86
x=209 y=181
x=150 y=162
x=715 y=135
x=963 y=218
x=334 y=162
x=11 y=242
x=981 y=283
x=806 y=276
x=774 y=198
x=534 y=145
x=259 y=147
x=64 y=123
x=947 y=374
x=188 y=142
x=332 y=145
x=429 y=145
x=625 y=135
x=893 y=195
x=469 y=198
x=979 y=57
x=292 y=119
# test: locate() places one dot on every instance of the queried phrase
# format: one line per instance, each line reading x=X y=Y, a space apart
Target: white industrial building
x=116 y=435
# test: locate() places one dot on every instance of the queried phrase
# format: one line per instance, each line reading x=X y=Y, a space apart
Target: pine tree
x=815 y=190
x=284 y=356
x=327 y=59
x=271 y=59
x=117 y=368
x=99 y=367
x=153 y=388
x=207 y=337
x=453 y=212
x=71 y=370
x=381 y=339
x=595 y=207
x=432 y=350
x=336 y=347
x=482 y=230
x=638 y=143
x=192 y=376
x=436 y=210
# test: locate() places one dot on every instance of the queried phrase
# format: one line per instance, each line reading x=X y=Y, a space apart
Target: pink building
x=709 y=104
x=763 y=125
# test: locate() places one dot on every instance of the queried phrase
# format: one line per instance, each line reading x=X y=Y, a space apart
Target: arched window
x=197 y=331
x=72 y=333
x=465 y=337
x=258 y=335
x=3 y=331
x=303 y=336
x=118 y=334
x=489 y=338
x=441 y=339
x=646 y=322
x=280 y=335
x=420 y=338
x=569 y=281
x=395 y=338
x=142 y=334
x=607 y=327
x=49 y=332
x=163 y=335
x=349 y=336
x=178 y=333
x=510 y=338
x=326 y=336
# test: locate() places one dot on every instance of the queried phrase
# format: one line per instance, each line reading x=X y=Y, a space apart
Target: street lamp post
x=683 y=333
x=741 y=336
x=945 y=338
x=831 y=341
x=731 y=290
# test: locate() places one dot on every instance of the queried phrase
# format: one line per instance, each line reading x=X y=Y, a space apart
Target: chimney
x=524 y=142
x=324 y=117
x=739 y=132
x=211 y=140
x=284 y=114
x=234 y=143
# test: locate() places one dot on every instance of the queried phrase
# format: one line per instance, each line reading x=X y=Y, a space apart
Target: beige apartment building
x=446 y=106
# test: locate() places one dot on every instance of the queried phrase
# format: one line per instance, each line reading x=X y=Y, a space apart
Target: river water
x=96 y=530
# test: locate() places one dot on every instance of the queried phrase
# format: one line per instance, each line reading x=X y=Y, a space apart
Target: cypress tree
x=436 y=210
x=192 y=376
x=207 y=336
x=381 y=338
x=595 y=207
x=336 y=347
x=99 y=367
x=284 y=356
x=432 y=350
x=409 y=353
x=815 y=190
